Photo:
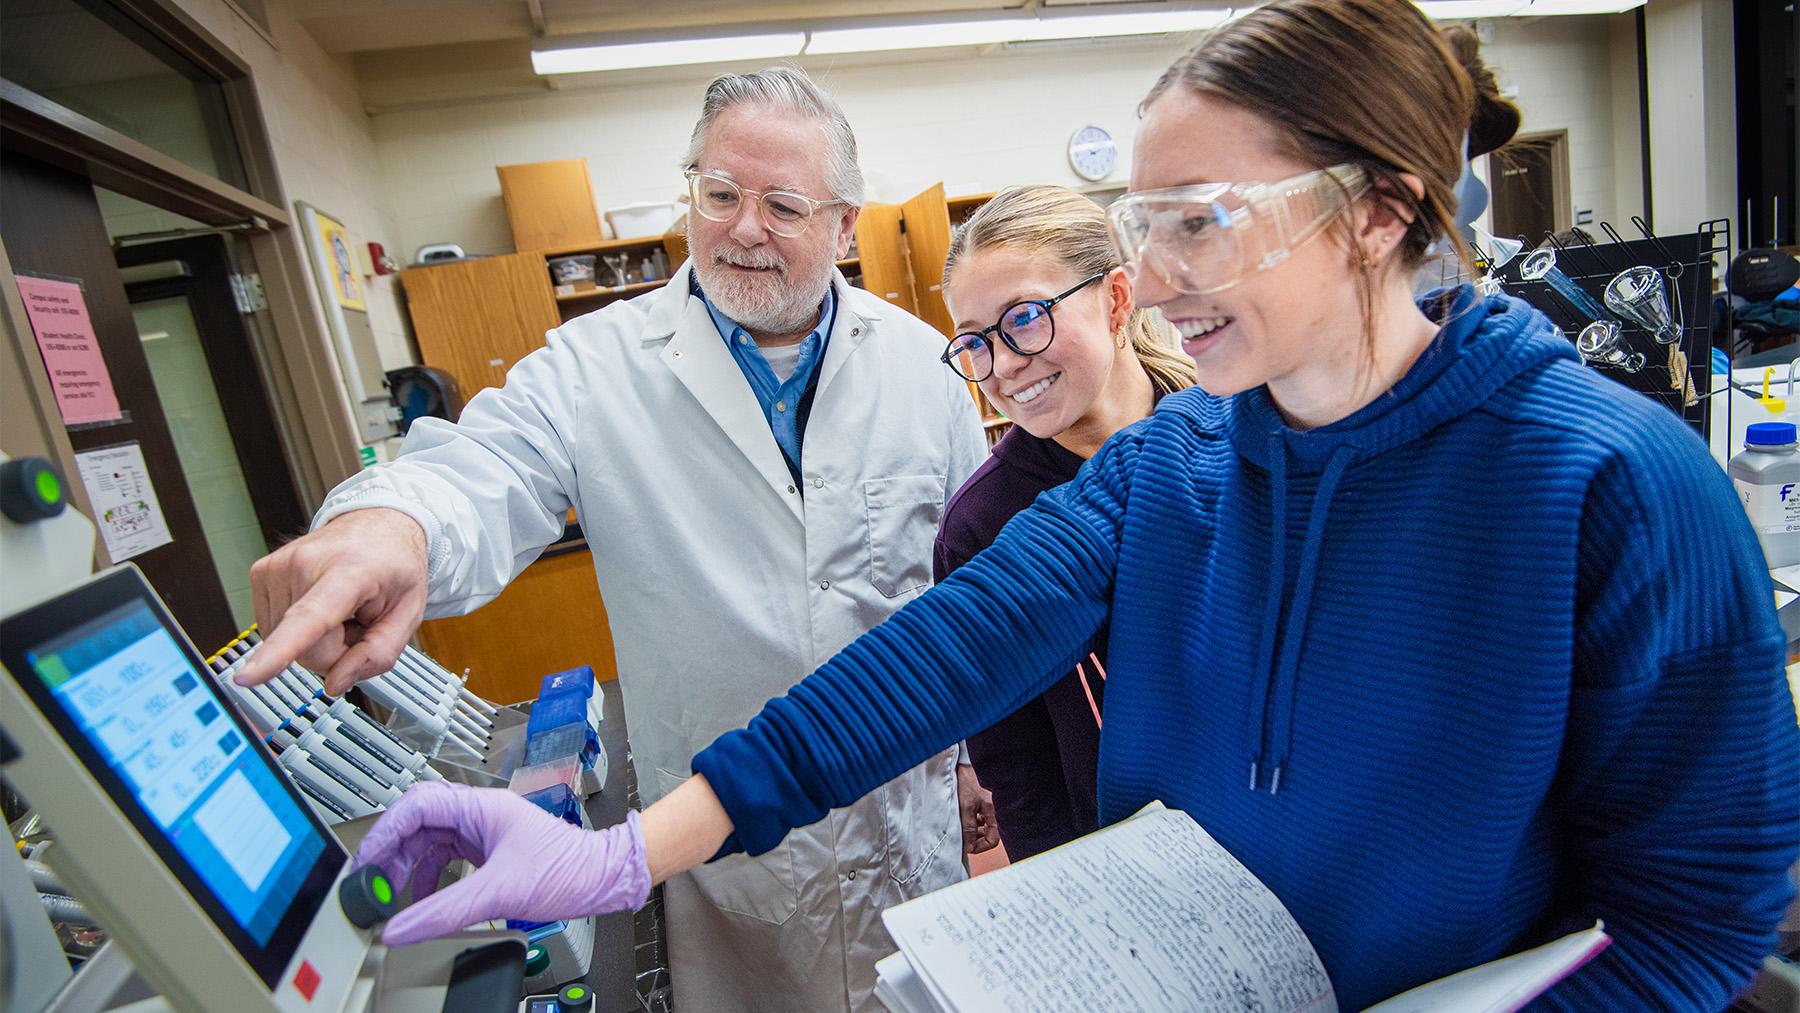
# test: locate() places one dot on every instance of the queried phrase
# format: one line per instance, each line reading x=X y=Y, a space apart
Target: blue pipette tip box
x=579 y=679
x=559 y=724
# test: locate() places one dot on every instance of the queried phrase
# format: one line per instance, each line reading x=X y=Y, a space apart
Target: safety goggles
x=1201 y=238
x=1027 y=327
x=720 y=199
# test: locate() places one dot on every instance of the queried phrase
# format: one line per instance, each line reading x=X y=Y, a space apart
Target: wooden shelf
x=849 y=262
x=615 y=292
x=996 y=422
x=605 y=246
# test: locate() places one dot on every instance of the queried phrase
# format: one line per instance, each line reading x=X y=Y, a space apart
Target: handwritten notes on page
x=1150 y=914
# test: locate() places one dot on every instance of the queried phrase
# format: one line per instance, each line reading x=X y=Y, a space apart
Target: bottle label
x=1773 y=509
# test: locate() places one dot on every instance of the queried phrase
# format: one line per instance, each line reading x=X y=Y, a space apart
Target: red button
x=306 y=980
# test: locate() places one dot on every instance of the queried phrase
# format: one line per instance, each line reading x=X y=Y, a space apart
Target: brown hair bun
x=1496 y=119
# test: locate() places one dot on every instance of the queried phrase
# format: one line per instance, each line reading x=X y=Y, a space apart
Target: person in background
x=1455 y=643
x=758 y=455
x=1049 y=331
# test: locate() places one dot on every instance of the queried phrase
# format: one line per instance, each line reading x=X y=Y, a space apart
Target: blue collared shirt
x=781 y=402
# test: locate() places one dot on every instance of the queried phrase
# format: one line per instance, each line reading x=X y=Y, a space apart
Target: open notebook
x=1091 y=925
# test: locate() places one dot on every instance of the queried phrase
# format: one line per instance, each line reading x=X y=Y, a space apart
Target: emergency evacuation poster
x=65 y=337
x=124 y=501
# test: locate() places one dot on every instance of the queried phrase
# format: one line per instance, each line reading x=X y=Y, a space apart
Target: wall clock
x=1092 y=153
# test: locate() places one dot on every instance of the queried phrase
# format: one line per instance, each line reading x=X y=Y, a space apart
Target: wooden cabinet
x=902 y=248
x=550 y=204
x=475 y=318
x=549 y=619
x=927 y=220
x=886 y=265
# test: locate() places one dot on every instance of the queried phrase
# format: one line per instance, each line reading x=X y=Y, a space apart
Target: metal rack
x=1678 y=375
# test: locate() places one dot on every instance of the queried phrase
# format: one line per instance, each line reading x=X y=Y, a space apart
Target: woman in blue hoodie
x=1455 y=643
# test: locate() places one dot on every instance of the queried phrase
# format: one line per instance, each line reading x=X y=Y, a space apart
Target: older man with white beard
x=759 y=455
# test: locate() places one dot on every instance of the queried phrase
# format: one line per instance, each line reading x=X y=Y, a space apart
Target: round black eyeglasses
x=1027 y=327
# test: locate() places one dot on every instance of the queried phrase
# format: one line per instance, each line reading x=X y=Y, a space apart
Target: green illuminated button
x=574 y=999
x=30 y=490
x=367 y=896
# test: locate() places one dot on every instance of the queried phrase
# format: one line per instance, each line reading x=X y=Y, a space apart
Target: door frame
x=1562 y=201
x=320 y=441
x=239 y=373
x=54 y=227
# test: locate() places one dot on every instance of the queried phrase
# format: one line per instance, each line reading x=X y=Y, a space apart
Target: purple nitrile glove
x=532 y=865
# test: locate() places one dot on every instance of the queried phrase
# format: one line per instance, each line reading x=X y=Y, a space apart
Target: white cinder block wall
x=976 y=123
x=1562 y=68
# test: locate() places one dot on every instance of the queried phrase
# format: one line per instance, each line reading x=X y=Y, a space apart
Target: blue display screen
x=131 y=691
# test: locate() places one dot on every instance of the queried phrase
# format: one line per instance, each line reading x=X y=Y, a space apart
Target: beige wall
x=976 y=122
x=1693 y=112
x=1628 y=168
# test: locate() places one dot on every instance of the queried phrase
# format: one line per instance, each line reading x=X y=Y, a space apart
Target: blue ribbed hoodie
x=1491 y=658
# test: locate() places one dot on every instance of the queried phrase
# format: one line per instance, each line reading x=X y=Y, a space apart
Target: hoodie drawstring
x=1256 y=717
x=1272 y=706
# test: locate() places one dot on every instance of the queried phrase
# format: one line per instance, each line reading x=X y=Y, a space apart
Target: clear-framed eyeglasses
x=1202 y=238
x=720 y=199
x=1027 y=327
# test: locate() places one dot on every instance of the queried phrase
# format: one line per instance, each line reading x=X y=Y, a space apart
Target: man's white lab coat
x=726 y=582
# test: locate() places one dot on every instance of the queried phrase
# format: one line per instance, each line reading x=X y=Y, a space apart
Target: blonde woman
x=1047 y=328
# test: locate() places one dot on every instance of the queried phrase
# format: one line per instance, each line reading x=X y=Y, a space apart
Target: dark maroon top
x=1038 y=761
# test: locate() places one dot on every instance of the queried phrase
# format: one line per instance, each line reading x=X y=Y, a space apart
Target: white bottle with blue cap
x=1767 y=475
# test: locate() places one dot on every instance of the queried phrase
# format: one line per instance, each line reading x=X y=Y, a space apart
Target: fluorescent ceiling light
x=630 y=55
x=984 y=32
x=932 y=35
x=924 y=36
x=1452 y=10
x=1107 y=25
x=1449 y=10
x=1540 y=8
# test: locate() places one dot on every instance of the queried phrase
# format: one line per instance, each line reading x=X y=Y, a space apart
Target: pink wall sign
x=65 y=337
